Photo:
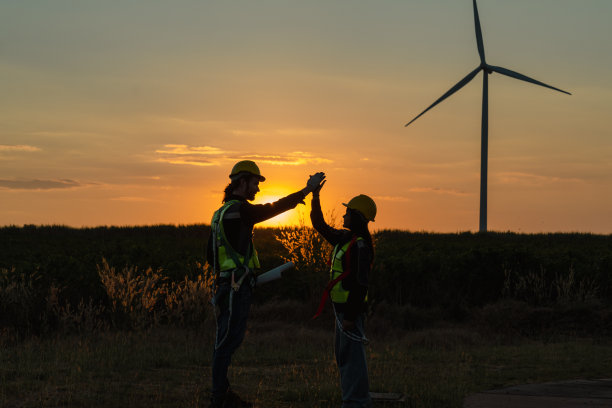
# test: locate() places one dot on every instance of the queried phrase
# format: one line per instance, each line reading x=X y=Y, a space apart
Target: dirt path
x=566 y=394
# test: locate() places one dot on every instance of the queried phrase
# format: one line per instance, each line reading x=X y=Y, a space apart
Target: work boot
x=216 y=404
x=232 y=400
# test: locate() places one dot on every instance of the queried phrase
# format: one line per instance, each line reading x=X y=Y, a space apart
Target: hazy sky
x=133 y=112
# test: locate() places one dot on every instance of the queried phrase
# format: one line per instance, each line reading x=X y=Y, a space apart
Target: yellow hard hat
x=364 y=204
x=247 y=166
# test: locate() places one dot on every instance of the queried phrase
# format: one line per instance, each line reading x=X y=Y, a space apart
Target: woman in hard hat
x=348 y=287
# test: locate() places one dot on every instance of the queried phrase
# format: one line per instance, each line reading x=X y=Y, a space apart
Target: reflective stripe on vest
x=338 y=293
x=228 y=258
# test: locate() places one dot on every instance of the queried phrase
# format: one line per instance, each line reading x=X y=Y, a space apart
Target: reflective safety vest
x=338 y=293
x=227 y=257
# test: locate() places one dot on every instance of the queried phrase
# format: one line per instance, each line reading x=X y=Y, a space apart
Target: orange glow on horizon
x=155 y=142
x=272 y=193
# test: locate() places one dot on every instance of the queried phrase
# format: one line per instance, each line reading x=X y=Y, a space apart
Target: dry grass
x=146 y=299
x=282 y=363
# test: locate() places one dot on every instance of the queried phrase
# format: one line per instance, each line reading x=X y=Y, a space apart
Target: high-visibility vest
x=228 y=258
x=338 y=293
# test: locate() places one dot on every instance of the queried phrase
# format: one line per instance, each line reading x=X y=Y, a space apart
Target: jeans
x=351 y=360
x=231 y=326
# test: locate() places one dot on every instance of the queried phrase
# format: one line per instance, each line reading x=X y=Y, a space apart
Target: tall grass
x=140 y=300
x=537 y=289
x=22 y=302
x=133 y=300
x=309 y=251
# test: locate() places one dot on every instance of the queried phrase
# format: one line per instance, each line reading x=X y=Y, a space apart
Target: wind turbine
x=484 y=147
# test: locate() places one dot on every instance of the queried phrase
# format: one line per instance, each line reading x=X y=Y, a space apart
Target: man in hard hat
x=351 y=262
x=234 y=258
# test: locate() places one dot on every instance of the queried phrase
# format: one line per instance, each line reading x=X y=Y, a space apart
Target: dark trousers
x=231 y=326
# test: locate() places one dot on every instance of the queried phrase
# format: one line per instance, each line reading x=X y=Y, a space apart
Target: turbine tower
x=486 y=70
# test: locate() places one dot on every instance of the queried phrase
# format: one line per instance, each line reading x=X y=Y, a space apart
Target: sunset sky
x=133 y=112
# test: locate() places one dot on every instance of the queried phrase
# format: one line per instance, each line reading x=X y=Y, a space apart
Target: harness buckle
x=236 y=285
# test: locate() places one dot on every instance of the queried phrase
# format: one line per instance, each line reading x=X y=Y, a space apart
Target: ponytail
x=359 y=226
x=229 y=190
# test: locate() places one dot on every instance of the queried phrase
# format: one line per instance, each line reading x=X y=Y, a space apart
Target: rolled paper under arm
x=273 y=274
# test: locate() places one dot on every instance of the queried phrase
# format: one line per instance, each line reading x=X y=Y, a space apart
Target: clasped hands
x=315 y=182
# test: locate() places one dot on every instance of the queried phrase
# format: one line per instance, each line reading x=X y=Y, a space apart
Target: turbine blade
x=451 y=91
x=522 y=77
x=479 y=41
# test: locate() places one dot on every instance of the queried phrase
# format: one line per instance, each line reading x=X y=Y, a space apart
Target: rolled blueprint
x=273 y=274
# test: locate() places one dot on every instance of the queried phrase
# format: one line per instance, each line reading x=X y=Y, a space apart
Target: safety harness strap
x=333 y=283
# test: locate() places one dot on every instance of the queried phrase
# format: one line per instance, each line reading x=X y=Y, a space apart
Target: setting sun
x=291 y=217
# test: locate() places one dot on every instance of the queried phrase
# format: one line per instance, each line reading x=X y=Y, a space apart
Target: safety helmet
x=364 y=204
x=246 y=166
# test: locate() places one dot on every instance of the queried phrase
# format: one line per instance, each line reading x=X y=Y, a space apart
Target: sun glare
x=291 y=217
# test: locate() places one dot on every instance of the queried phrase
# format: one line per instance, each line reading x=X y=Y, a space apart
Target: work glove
x=314 y=182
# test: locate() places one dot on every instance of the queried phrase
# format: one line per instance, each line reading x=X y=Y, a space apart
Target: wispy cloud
x=132 y=199
x=19 y=148
x=190 y=161
x=419 y=190
x=529 y=179
x=214 y=156
x=301 y=132
x=190 y=150
x=37 y=184
x=67 y=134
x=393 y=198
x=289 y=159
x=240 y=132
x=293 y=132
x=191 y=155
x=437 y=190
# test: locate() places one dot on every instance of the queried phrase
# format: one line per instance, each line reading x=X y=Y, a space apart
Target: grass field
x=452 y=314
x=283 y=363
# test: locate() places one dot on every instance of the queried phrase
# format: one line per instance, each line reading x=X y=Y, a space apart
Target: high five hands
x=315 y=183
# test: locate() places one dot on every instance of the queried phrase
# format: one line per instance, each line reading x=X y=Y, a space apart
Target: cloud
x=214 y=156
x=529 y=179
x=288 y=132
x=188 y=150
x=132 y=199
x=18 y=148
x=192 y=161
x=301 y=132
x=419 y=190
x=250 y=133
x=39 y=184
x=191 y=155
x=437 y=190
x=393 y=198
x=290 y=159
